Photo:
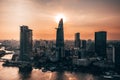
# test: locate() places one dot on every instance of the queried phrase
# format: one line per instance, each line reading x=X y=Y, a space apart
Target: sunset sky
x=84 y=16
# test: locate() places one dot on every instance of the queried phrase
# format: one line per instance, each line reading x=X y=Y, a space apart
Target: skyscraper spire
x=60 y=23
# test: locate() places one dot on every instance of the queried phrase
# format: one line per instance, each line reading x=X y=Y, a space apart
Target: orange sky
x=84 y=16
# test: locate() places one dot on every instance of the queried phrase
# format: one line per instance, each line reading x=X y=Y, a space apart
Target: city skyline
x=59 y=59
x=82 y=16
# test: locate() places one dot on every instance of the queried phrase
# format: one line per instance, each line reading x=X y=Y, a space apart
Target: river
x=12 y=73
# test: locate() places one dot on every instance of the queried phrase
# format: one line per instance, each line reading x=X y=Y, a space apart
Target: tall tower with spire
x=60 y=40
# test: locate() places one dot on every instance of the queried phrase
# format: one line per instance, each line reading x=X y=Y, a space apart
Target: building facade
x=25 y=43
x=100 y=43
x=77 y=40
x=117 y=55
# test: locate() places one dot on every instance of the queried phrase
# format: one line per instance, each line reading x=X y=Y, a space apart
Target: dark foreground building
x=117 y=55
x=60 y=40
x=77 y=40
x=100 y=43
x=25 y=43
x=84 y=44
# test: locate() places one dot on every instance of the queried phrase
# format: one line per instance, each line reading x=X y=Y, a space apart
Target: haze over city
x=84 y=16
x=59 y=40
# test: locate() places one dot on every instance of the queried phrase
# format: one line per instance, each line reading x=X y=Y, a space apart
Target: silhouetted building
x=90 y=49
x=90 y=46
x=111 y=54
x=60 y=39
x=84 y=44
x=100 y=43
x=25 y=43
x=77 y=40
x=117 y=55
x=37 y=44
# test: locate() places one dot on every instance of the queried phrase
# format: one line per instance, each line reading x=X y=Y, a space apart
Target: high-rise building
x=25 y=43
x=77 y=40
x=60 y=40
x=100 y=43
x=84 y=44
x=117 y=55
x=111 y=54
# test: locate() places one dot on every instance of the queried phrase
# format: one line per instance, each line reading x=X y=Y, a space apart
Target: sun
x=59 y=16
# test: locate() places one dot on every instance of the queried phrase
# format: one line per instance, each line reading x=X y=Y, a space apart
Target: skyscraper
x=117 y=55
x=100 y=43
x=25 y=43
x=84 y=44
x=60 y=39
x=77 y=40
x=111 y=54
